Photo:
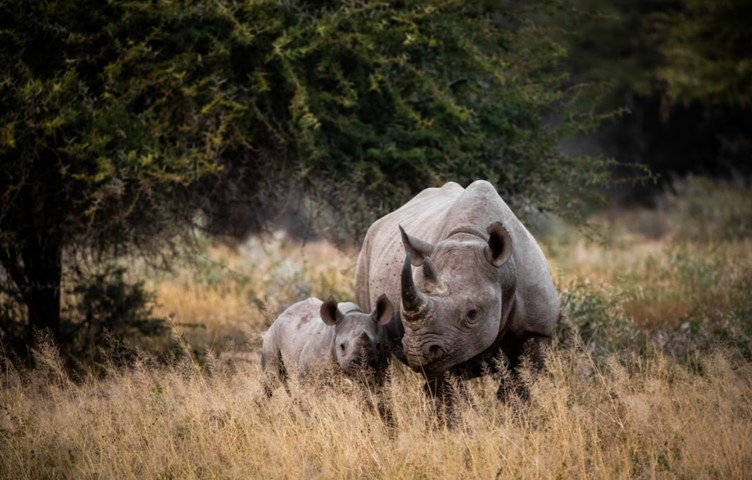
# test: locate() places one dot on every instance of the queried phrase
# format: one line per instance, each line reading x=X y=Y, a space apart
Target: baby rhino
x=323 y=338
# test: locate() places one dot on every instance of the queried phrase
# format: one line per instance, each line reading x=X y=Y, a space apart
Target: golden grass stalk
x=651 y=417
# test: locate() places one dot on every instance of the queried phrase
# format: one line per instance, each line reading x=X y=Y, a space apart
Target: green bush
x=108 y=317
x=597 y=320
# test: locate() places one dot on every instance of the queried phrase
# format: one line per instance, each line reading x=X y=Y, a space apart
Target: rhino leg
x=274 y=372
x=445 y=390
x=522 y=352
x=377 y=399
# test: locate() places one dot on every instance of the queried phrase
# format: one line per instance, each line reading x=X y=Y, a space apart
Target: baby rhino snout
x=367 y=353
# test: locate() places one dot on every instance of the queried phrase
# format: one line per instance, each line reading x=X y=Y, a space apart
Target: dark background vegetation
x=127 y=125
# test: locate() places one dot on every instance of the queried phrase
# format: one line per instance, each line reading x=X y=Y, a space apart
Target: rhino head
x=357 y=344
x=451 y=305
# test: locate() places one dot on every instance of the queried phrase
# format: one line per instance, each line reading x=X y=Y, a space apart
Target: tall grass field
x=650 y=375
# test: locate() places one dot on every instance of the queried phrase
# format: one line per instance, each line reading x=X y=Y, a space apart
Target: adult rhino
x=470 y=280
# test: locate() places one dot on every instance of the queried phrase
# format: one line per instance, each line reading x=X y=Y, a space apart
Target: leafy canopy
x=382 y=99
x=706 y=52
x=119 y=121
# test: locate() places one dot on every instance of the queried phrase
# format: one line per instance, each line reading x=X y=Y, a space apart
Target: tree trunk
x=42 y=261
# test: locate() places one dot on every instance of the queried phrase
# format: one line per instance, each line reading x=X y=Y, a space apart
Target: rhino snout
x=366 y=355
x=426 y=354
x=432 y=352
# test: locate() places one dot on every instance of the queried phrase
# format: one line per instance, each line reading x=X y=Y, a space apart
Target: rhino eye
x=342 y=347
x=471 y=315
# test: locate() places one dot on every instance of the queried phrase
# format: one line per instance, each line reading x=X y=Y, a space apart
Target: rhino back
x=300 y=337
x=382 y=254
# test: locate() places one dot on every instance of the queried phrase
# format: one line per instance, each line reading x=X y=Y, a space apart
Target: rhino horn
x=413 y=302
x=429 y=273
x=418 y=248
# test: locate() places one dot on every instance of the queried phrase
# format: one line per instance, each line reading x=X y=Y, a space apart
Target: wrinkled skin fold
x=472 y=285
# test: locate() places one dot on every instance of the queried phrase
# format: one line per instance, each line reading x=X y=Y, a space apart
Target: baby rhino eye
x=342 y=347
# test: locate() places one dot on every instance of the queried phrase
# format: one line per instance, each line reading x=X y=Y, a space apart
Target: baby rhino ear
x=329 y=312
x=383 y=312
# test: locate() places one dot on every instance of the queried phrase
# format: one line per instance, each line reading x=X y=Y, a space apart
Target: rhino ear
x=384 y=310
x=329 y=312
x=416 y=247
x=499 y=247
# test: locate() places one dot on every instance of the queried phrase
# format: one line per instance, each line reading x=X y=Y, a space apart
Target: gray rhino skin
x=480 y=285
x=313 y=337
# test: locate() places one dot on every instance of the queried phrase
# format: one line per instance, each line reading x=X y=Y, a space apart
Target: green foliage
x=613 y=43
x=122 y=120
x=705 y=52
x=597 y=320
x=679 y=71
x=683 y=50
x=382 y=99
x=105 y=313
x=365 y=104
x=109 y=112
x=110 y=116
x=447 y=92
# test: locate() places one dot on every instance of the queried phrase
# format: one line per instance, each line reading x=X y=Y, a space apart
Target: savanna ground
x=650 y=375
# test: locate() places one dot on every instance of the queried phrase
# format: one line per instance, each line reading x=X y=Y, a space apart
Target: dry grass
x=686 y=265
x=609 y=405
x=225 y=301
x=652 y=418
x=661 y=283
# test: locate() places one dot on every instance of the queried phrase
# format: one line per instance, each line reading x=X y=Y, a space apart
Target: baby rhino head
x=357 y=344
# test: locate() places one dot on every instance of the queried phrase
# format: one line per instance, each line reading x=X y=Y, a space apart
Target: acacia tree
x=108 y=120
x=381 y=99
x=121 y=120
